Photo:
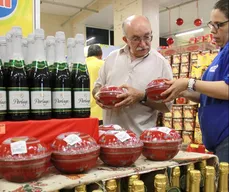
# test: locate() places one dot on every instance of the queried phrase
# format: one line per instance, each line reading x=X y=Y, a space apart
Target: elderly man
x=133 y=67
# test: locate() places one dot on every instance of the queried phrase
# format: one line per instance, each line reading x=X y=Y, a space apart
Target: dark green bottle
x=18 y=89
x=61 y=88
x=40 y=81
x=3 y=108
x=80 y=81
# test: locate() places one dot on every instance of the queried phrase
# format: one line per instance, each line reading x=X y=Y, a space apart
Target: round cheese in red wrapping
x=105 y=128
x=108 y=95
x=119 y=148
x=155 y=88
x=23 y=159
x=74 y=152
x=160 y=143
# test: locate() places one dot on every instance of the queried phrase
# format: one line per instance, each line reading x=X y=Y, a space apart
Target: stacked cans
x=191 y=64
x=183 y=119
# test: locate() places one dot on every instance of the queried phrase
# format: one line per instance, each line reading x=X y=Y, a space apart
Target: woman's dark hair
x=222 y=5
x=94 y=50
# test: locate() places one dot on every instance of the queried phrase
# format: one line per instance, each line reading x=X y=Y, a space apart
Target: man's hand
x=130 y=97
x=97 y=99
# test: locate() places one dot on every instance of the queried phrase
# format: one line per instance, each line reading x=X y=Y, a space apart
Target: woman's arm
x=215 y=89
x=193 y=96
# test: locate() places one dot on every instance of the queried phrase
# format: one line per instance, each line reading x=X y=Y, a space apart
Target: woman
x=212 y=92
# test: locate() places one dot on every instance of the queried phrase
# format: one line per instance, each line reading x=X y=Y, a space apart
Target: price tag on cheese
x=117 y=127
x=164 y=130
x=153 y=129
x=18 y=147
x=72 y=139
x=122 y=136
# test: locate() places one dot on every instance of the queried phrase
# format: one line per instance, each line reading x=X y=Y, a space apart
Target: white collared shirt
x=117 y=70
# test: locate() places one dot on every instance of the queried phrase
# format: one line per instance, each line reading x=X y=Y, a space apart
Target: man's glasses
x=216 y=26
x=146 y=39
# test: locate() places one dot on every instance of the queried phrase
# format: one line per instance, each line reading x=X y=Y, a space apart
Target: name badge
x=213 y=68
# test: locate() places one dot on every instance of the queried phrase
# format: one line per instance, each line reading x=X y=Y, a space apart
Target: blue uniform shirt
x=214 y=113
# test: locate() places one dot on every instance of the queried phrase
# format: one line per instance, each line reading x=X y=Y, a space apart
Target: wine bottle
x=80 y=81
x=18 y=89
x=40 y=81
x=61 y=88
x=195 y=177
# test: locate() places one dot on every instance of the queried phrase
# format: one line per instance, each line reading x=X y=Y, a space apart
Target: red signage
x=6 y=3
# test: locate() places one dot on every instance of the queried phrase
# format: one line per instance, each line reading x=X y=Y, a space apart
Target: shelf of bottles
x=36 y=80
x=192 y=177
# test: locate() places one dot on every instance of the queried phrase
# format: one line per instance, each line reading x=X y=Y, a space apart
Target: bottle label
x=41 y=99
x=17 y=64
x=2 y=100
x=39 y=64
x=61 y=66
x=62 y=99
x=79 y=67
x=19 y=100
x=81 y=99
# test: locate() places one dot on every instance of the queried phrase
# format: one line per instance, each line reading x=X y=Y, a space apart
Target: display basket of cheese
x=155 y=88
x=74 y=152
x=108 y=95
x=23 y=159
x=120 y=148
x=160 y=143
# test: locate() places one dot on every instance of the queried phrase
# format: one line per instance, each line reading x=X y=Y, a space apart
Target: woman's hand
x=177 y=86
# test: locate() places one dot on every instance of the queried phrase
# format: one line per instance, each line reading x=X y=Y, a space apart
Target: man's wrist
x=95 y=90
x=143 y=99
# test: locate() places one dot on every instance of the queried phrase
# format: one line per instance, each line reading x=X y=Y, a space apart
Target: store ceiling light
x=90 y=39
x=190 y=32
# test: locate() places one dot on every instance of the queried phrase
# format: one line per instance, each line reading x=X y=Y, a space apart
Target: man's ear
x=124 y=39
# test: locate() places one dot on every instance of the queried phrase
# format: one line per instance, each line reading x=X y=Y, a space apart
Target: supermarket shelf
x=188 y=48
